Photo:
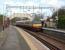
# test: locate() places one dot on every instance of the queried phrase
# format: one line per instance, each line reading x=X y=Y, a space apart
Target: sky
x=42 y=3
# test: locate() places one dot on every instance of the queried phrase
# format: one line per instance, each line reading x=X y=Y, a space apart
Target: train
x=34 y=25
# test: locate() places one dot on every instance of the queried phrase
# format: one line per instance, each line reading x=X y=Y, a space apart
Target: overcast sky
x=44 y=3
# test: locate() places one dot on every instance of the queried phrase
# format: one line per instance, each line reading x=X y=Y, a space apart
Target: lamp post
x=3 y=22
x=56 y=19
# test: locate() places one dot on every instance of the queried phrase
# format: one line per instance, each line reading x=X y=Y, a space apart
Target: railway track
x=51 y=43
x=42 y=40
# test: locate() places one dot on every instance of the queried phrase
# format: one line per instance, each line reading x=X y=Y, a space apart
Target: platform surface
x=18 y=39
x=14 y=41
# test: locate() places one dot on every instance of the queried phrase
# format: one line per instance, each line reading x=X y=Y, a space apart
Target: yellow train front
x=37 y=26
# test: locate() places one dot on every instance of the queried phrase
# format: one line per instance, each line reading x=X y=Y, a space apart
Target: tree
x=61 y=22
x=13 y=20
x=61 y=18
x=1 y=19
x=37 y=18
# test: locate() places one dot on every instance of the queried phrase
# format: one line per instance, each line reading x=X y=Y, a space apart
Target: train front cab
x=37 y=27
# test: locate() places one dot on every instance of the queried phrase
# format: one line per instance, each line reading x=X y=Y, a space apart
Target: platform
x=18 y=39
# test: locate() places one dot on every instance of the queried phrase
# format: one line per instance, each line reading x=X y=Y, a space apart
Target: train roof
x=23 y=21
